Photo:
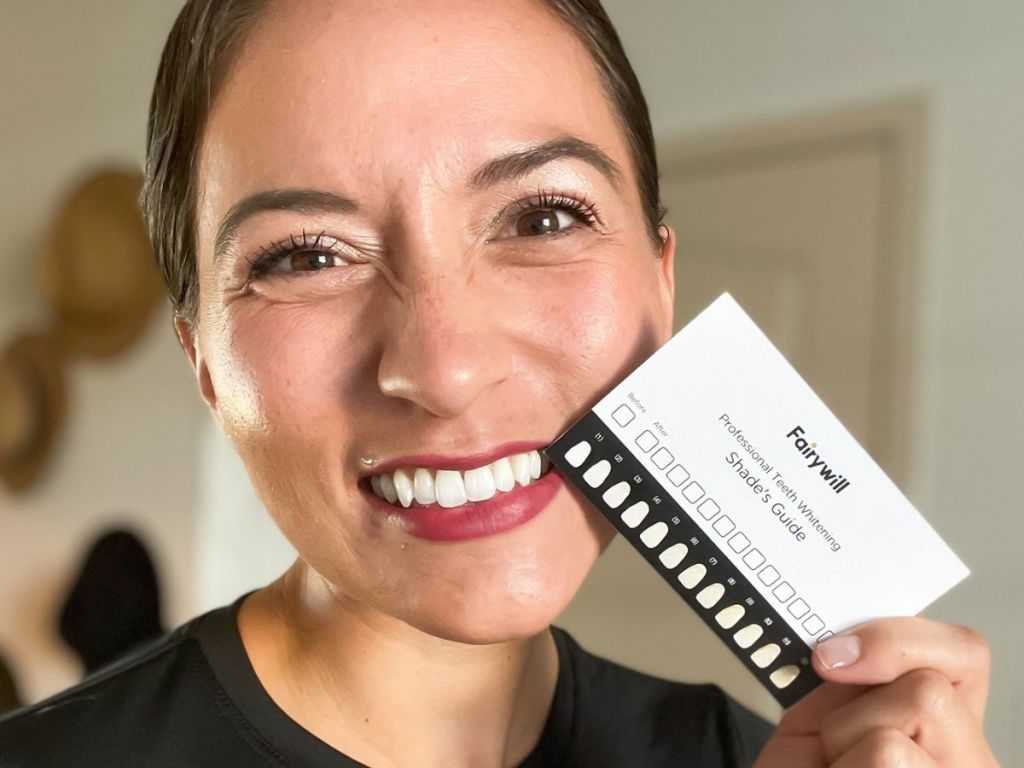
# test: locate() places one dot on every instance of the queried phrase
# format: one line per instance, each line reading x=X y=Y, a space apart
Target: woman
x=407 y=245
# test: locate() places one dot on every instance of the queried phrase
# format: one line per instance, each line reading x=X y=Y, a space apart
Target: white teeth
x=479 y=484
x=387 y=487
x=403 y=487
x=451 y=491
x=504 y=480
x=520 y=468
x=534 y=464
x=450 y=488
x=423 y=486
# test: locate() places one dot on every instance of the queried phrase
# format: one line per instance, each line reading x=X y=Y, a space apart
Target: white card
x=724 y=427
x=852 y=550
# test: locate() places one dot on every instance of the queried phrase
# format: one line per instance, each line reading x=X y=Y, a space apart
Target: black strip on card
x=703 y=576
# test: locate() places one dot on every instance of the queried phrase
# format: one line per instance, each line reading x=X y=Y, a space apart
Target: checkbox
x=724 y=525
x=754 y=559
x=661 y=458
x=623 y=415
x=799 y=608
x=646 y=440
x=739 y=543
x=708 y=509
x=768 y=575
x=678 y=475
x=823 y=637
x=784 y=592
x=693 y=492
x=814 y=625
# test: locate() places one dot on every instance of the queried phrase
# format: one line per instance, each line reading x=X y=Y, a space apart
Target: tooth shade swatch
x=765 y=655
x=578 y=454
x=749 y=635
x=709 y=596
x=596 y=475
x=728 y=617
x=635 y=514
x=673 y=555
x=785 y=675
x=617 y=494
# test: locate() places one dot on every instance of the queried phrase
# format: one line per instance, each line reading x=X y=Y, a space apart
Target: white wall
x=138 y=447
x=74 y=84
x=736 y=62
x=238 y=547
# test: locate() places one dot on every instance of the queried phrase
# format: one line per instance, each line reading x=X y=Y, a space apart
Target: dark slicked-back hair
x=201 y=47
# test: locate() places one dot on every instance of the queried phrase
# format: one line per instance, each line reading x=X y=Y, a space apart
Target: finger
x=881 y=651
x=807 y=715
x=885 y=747
x=923 y=706
x=792 y=752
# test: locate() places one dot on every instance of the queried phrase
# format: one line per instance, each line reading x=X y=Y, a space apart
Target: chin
x=525 y=588
x=521 y=606
x=516 y=624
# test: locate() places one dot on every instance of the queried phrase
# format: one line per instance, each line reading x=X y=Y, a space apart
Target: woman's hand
x=899 y=692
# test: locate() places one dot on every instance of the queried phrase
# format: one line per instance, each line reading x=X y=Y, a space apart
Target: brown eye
x=543 y=221
x=300 y=255
x=312 y=261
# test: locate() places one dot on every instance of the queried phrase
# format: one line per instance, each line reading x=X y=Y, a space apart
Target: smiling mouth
x=422 y=487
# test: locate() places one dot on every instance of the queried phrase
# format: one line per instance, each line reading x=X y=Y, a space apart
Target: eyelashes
x=320 y=252
x=546 y=200
x=308 y=253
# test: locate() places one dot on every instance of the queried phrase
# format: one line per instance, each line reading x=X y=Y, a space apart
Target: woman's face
x=445 y=264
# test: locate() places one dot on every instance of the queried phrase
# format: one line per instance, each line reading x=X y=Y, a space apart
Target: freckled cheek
x=277 y=372
x=590 y=325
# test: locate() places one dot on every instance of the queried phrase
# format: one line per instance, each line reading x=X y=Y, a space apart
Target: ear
x=189 y=341
x=667 y=277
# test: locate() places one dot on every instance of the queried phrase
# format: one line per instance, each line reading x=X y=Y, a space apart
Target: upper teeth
x=451 y=488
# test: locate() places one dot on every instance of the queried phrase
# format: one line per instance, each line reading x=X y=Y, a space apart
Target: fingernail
x=841 y=651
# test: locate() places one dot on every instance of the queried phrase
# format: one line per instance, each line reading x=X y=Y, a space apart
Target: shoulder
x=622 y=709
x=113 y=712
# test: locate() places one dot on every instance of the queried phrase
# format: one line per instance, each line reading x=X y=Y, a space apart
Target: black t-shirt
x=193 y=699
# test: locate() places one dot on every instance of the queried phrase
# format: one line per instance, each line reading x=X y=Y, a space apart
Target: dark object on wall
x=114 y=604
x=32 y=404
x=9 y=698
x=98 y=271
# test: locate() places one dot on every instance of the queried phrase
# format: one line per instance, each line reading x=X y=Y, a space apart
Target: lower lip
x=501 y=512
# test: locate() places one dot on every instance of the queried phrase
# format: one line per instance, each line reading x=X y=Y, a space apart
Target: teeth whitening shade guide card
x=720 y=465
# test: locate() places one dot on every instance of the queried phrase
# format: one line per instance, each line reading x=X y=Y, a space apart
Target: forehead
x=386 y=90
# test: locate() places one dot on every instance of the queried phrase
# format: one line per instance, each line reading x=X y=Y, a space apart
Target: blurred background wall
x=74 y=85
x=139 y=448
x=713 y=66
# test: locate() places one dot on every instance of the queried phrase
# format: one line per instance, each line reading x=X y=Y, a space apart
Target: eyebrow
x=515 y=165
x=504 y=168
x=302 y=200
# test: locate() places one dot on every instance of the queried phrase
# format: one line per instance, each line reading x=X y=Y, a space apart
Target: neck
x=387 y=694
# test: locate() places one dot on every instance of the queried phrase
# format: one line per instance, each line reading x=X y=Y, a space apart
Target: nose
x=442 y=347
